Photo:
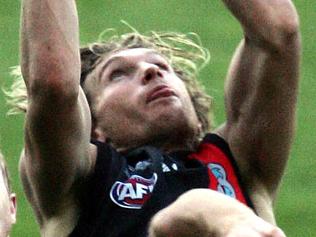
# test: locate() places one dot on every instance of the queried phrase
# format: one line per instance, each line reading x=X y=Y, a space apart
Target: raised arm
x=261 y=91
x=57 y=129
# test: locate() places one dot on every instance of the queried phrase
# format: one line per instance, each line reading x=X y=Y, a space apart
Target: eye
x=117 y=74
x=162 y=66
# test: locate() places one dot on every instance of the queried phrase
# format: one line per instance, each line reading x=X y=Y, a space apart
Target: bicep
x=261 y=93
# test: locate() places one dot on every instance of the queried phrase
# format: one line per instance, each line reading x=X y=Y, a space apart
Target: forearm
x=50 y=44
x=267 y=23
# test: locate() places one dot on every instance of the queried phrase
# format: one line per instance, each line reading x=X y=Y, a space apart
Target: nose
x=150 y=72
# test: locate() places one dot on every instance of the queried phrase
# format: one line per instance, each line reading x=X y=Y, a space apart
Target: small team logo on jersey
x=223 y=185
x=134 y=192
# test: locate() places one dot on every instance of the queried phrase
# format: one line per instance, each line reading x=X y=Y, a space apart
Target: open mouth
x=160 y=92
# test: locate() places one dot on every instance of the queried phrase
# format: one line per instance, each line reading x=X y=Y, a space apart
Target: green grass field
x=220 y=33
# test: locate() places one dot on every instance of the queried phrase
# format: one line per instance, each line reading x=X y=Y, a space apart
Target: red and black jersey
x=125 y=191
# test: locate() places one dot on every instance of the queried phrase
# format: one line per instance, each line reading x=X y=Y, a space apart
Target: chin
x=175 y=126
x=175 y=115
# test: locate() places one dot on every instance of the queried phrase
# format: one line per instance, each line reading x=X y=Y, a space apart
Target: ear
x=13 y=208
x=200 y=128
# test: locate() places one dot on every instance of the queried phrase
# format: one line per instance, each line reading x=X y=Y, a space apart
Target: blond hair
x=184 y=52
x=16 y=96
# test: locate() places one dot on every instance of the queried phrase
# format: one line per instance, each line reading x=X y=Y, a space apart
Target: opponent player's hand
x=206 y=213
x=253 y=227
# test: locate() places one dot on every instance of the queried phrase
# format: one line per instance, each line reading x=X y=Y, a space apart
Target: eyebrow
x=111 y=60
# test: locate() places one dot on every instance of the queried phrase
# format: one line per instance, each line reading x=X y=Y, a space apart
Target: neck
x=165 y=144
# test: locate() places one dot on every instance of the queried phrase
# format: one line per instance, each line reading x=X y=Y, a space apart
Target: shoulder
x=221 y=131
x=218 y=138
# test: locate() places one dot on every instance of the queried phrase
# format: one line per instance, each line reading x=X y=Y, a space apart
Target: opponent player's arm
x=261 y=90
x=57 y=129
x=204 y=212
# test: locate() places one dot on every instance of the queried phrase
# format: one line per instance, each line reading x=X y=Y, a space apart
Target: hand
x=206 y=213
x=254 y=226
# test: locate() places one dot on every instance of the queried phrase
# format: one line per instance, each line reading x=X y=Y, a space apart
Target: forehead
x=133 y=55
x=134 y=52
x=3 y=174
x=2 y=166
x=3 y=186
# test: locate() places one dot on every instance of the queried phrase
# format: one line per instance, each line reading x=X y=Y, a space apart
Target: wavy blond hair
x=184 y=52
x=16 y=95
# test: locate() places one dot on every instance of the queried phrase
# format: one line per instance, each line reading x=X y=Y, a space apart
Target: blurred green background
x=220 y=33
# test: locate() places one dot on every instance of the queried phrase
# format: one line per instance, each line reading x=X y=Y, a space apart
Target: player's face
x=139 y=100
x=7 y=209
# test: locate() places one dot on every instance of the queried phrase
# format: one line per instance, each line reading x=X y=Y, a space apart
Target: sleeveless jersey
x=125 y=191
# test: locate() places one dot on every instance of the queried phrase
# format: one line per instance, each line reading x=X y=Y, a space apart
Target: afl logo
x=134 y=192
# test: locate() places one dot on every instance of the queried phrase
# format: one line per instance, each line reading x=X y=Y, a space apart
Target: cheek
x=180 y=86
x=188 y=104
x=111 y=97
x=185 y=96
x=116 y=105
x=4 y=199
